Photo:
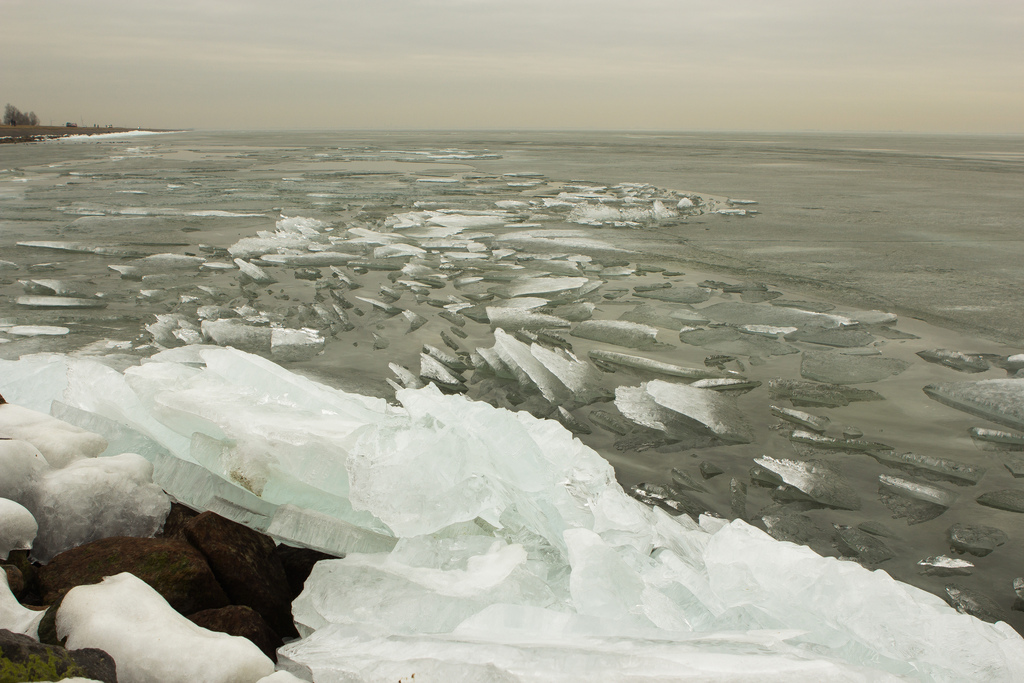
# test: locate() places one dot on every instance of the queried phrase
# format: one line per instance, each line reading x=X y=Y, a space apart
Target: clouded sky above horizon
x=911 y=65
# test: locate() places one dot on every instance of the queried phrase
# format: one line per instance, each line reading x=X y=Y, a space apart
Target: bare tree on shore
x=15 y=117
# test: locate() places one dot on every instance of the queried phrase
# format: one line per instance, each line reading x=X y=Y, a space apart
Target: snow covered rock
x=17 y=527
x=149 y=641
x=97 y=498
x=14 y=617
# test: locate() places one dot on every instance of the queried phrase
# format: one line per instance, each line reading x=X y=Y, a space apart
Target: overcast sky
x=912 y=65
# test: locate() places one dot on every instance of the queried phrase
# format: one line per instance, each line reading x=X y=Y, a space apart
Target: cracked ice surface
x=490 y=545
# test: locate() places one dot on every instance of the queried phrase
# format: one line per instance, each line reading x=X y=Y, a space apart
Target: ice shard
x=619 y=333
x=838 y=368
x=680 y=410
x=656 y=367
x=813 y=422
x=817 y=394
x=998 y=400
x=818 y=479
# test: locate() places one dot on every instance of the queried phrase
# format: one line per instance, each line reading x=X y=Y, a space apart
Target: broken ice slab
x=405 y=376
x=127 y=272
x=964 y=362
x=510 y=318
x=709 y=470
x=311 y=529
x=59 y=302
x=727 y=384
x=452 y=362
x=610 y=422
x=930 y=466
x=579 y=377
x=570 y=422
x=1003 y=440
x=382 y=306
x=254 y=273
x=977 y=539
x=800 y=436
x=998 y=400
x=416 y=321
x=681 y=411
x=432 y=370
x=738 y=499
x=678 y=295
x=730 y=340
x=802 y=393
x=166 y=330
x=1010 y=500
x=48 y=287
x=37 y=331
x=530 y=371
x=234 y=332
x=657 y=367
x=159 y=263
x=806 y=420
x=917 y=490
x=739 y=313
x=320 y=258
x=575 y=312
x=818 y=479
x=1015 y=464
x=865 y=547
x=968 y=601
x=942 y=565
x=291 y=345
x=619 y=333
x=914 y=501
x=792 y=527
x=671 y=499
x=682 y=480
x=839 y=337
x=531 y=286
x=647 y=314
x=838 y=368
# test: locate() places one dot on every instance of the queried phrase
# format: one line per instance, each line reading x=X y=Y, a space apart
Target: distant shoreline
x=13 y=134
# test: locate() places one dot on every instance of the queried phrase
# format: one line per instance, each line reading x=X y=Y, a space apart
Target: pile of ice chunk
x=55 y=494
x=489 y=545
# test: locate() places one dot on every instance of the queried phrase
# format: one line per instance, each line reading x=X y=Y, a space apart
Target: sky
x=771 y=65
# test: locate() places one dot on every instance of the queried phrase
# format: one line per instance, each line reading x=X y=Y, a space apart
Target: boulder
x=298 y=564
x=246 y=565
x=24 y=659
x=239 y=620
x=176 y=570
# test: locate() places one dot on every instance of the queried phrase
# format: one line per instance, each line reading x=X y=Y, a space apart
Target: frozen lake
x=757 y=258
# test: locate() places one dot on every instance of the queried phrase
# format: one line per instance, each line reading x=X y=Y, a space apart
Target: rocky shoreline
x=212 y=574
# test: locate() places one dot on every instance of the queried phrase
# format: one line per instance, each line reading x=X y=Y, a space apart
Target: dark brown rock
x=24 y=659
x=177 y=518
x=172 y=567
x=19 y=559
x=47 y=630
x=246 y=565
x=298 y=564
x=15 y=580
x=239 y=620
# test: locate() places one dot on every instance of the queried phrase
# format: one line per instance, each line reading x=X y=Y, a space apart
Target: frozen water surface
x=351 y=238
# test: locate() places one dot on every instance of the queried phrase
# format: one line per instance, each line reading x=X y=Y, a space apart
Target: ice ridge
x=484 y=544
